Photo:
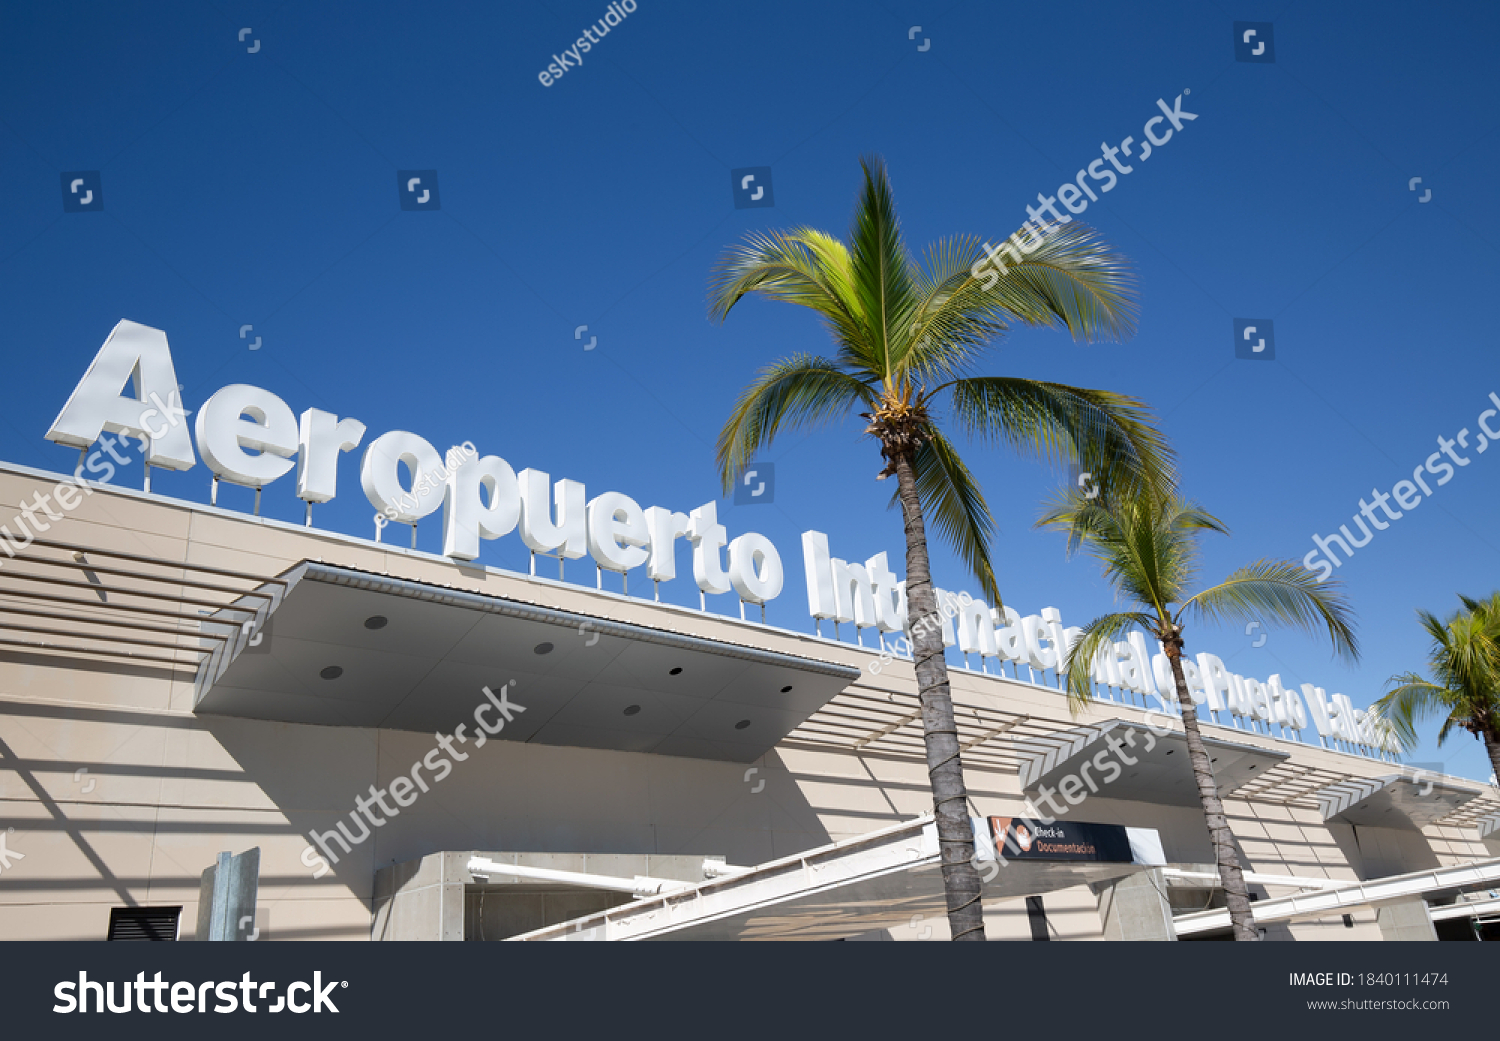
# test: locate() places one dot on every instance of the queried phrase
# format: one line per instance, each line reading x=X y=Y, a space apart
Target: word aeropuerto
x=1072 y=193
x=585 y=43
x=250 y=437
x=1404 y=492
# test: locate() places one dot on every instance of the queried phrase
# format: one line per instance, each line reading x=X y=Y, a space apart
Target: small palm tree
x=1148 y=548
x=907 y=339
x=1465 y=661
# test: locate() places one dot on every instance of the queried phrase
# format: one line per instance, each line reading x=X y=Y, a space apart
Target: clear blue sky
x=260 y=188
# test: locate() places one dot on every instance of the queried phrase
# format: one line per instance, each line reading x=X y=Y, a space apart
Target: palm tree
x=907 y=337
x=1465 y=661
x=1148 y=548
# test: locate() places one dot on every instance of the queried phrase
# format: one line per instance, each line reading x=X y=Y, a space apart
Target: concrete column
x=1405 y=920
x=1135 y=907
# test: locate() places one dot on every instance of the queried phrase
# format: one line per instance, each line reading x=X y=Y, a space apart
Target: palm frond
x=1146 y=548
x=1464 y=658
x=1456 y=718
x=1099 y=634
x=1281 y=591
x=1110 y=436
x=1084 y=520
x=1189 y=516
x=953 y=503
x=795 y=392
x=953 y=319
x=880 y=269
x=804 y=266
x=1157 y=556
x=1470 y=653
x=1072 y=280
x=1412 y=700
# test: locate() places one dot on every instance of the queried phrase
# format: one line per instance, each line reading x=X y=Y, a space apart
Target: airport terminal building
x=421 y=747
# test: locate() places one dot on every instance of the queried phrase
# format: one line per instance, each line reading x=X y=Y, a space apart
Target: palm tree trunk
x=1236 y=893
x=950 y=800
x=1492 y=746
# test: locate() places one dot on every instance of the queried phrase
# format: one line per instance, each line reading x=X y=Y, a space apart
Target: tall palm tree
x=907 y=337
x=1149 y=551
x=1464 y=657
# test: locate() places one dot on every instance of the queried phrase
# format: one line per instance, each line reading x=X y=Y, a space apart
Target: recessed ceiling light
x=742 y=724
x=675 y=671
x=376 y=621
x=631 y=710
x=787 y=689
x=333 y=672
x=542 y=648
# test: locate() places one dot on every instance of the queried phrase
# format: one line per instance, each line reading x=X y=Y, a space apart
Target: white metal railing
x=1348 y=895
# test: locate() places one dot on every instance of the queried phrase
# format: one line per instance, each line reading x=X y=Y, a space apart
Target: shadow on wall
x=137 y=826
x=1379 y=852
x=507 y=796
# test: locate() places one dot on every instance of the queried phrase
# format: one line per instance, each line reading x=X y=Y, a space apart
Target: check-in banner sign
x=1020 y=838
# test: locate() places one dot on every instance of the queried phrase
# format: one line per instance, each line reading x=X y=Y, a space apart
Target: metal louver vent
x=144 y=923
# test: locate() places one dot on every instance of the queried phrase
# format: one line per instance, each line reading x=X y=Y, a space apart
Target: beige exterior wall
x=166 y=790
